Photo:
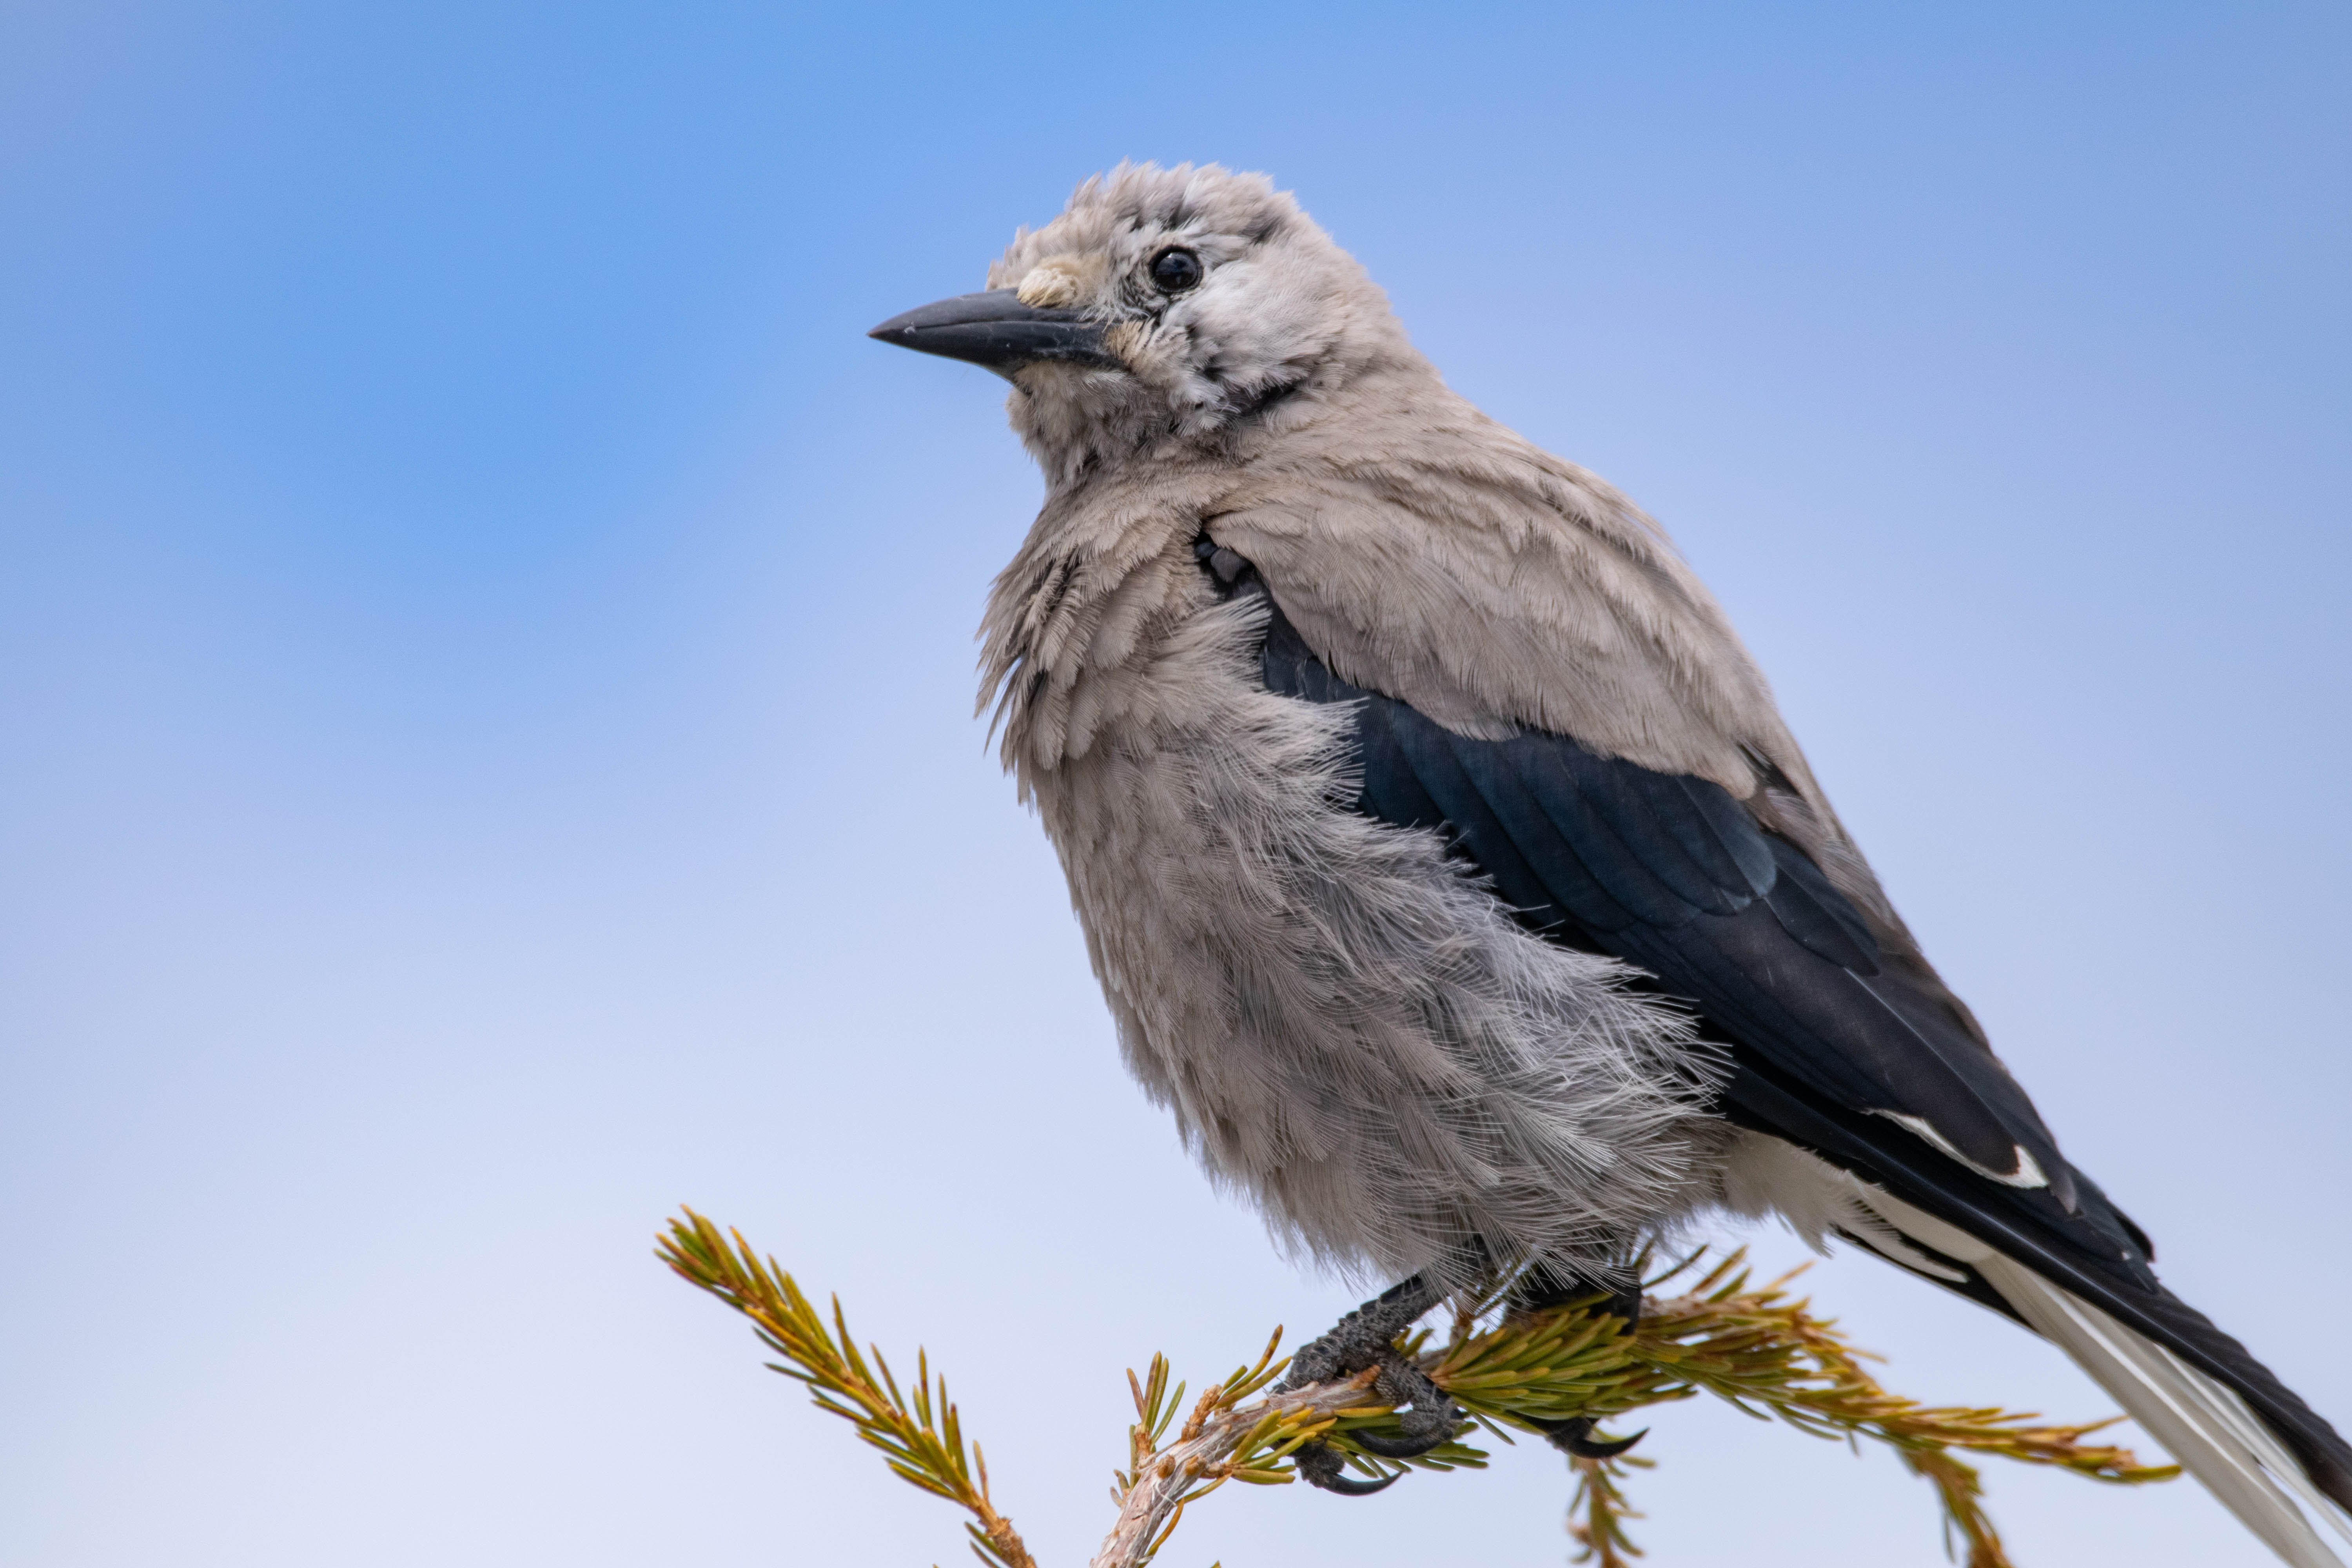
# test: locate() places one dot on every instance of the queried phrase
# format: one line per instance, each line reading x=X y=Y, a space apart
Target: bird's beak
x=998 y=330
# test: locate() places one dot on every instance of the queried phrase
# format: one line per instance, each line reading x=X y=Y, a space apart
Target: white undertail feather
x=2205 y=1426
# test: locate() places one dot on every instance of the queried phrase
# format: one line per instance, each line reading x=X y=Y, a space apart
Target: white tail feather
x=2206 y=1427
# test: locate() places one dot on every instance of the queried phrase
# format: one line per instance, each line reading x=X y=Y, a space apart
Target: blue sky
x=486 y=673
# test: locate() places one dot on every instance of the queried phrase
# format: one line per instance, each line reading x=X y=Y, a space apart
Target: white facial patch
x=1050 y=285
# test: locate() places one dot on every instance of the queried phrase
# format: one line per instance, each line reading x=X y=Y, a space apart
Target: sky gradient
x=486 y=751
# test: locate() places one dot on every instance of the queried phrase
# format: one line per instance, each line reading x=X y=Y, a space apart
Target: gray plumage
x=1331 y=1007
x=1305 y=661
x=1282 y=987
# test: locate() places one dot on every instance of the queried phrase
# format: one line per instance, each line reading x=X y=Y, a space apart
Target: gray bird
x=1446 y=863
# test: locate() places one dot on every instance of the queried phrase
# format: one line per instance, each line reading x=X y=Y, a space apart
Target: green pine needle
x=1755 y=1348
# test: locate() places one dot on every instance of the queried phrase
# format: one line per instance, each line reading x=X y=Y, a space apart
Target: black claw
x=1573 y=1437
x=1321 y=1464
x=1608 y=1450
x=1432 y=1420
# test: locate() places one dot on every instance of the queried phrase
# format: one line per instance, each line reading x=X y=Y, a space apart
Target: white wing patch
x=2028 y=1173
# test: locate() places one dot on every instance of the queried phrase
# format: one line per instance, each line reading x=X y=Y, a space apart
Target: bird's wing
x=1839 y=1043
x=1671 y=873
x=1506 y=588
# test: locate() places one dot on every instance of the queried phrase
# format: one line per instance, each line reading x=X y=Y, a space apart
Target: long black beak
x=998 y=330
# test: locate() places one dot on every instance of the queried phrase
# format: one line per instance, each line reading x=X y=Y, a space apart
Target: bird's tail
x=2204 y=1424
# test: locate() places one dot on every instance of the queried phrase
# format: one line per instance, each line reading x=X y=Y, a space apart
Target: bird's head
x=1165 y=309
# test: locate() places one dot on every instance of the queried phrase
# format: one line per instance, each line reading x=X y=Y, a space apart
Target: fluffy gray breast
x=1346 y=1026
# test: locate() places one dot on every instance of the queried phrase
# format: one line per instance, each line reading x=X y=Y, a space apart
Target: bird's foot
x=1364 y=1339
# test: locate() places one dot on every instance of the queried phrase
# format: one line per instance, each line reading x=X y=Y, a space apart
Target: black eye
x=1176 y=270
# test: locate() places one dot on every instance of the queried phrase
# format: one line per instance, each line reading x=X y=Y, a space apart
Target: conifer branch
x=1757 y=1348
x=920 y=1438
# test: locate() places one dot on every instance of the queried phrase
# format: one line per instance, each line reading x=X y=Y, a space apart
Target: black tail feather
x=1880 y=1153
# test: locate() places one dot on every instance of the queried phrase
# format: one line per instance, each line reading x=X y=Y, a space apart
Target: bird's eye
x=1176 y=270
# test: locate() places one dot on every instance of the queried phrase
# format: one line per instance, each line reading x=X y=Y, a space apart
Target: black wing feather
x=1611 y=857
x=1830 y=1042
